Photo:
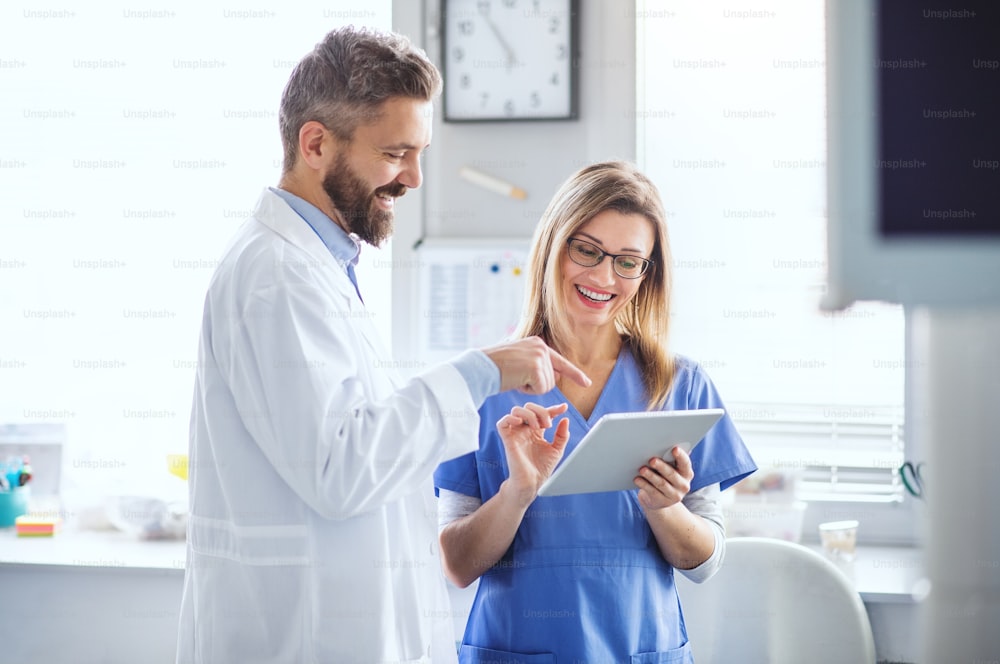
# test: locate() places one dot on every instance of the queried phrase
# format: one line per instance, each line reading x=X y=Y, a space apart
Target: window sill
x=884 y=574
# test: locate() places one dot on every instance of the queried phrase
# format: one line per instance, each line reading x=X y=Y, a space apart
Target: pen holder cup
x=13 y=503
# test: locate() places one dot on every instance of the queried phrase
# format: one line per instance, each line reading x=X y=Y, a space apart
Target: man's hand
x=530 y=366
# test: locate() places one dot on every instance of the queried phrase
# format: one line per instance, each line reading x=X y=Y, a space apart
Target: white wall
x=536 y=156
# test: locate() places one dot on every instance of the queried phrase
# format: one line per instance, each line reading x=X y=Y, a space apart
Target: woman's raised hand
x=531 y=458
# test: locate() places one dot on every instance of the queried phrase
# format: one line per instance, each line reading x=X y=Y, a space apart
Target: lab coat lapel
x=272 y=211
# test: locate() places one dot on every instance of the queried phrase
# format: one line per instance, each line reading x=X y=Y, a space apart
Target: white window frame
x=135 y=142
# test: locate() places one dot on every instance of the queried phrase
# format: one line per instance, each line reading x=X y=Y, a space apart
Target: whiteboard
x=470 y=294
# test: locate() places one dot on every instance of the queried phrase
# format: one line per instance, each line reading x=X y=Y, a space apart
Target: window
x=134 y=141
x=731 y=124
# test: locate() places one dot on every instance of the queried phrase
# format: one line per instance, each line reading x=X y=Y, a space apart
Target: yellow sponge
x=33 y=526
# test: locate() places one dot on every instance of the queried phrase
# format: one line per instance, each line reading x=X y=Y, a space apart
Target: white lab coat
x=313 y=534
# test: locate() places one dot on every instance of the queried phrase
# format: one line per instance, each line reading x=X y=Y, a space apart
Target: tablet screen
x=610 y=455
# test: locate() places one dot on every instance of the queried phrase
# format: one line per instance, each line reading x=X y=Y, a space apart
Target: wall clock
x=509 y=59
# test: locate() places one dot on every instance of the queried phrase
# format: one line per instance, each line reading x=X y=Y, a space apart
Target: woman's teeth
x=596 y=297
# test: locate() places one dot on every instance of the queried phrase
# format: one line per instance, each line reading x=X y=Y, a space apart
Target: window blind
x=843 y=453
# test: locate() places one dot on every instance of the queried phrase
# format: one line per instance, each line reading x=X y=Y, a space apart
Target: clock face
x=509 y=59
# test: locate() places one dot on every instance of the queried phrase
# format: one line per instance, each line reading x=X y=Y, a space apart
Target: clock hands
x=511 y=56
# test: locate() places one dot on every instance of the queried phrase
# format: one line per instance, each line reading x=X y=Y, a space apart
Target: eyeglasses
x=586 y=254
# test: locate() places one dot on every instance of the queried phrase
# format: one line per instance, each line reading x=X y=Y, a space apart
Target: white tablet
x=610 y=455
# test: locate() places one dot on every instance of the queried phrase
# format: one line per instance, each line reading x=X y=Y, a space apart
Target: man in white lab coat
x=313 y=532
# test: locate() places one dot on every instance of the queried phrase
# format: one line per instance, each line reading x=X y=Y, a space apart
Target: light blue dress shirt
x=480 y=373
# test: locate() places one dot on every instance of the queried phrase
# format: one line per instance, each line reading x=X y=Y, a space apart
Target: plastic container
x=147 y=517
x=13 y=503
x=839 y=539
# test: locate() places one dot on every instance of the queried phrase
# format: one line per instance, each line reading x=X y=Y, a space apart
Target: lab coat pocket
x=680 y=655
x=474 y=655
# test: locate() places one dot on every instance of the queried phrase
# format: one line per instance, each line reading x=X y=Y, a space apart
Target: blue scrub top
x=584 y=580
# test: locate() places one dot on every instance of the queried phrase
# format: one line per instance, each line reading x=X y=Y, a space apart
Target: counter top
x=86 y=548
x=880 y=573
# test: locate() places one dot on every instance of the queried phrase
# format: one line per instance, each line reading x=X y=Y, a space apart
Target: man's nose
x=411 y=176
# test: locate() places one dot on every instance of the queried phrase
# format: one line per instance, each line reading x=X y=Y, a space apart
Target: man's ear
x=314 y=146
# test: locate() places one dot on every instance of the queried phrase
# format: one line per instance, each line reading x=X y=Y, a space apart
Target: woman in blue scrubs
x=589 y=578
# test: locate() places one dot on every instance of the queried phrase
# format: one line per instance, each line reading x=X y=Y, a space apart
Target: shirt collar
x=345 y=247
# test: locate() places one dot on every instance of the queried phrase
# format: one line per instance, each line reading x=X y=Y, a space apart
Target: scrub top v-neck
x=576 y=417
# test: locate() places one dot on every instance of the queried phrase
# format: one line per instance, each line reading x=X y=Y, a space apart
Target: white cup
x=839 y=539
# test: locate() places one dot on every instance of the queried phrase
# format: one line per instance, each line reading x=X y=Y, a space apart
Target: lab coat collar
x=345 y=247
x=275 y=213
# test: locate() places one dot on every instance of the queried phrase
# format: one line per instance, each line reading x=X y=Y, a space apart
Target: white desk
x=90 y=597
x=111 y=549
x=884 y=574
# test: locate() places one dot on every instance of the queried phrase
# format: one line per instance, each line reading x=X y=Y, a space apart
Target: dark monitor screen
x=938 y=82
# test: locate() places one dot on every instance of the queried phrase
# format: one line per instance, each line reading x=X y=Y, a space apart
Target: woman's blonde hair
x=611 y=185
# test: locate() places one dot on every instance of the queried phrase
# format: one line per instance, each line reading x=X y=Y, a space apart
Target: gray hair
x=343 y=82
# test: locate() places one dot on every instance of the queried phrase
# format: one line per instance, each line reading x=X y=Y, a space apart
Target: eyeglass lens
x=588 y=255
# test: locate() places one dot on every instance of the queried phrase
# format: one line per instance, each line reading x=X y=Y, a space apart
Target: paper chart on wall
x=471 y=294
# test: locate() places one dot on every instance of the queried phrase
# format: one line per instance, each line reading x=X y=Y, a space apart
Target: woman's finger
x=662 y=468
x=509 y=422
x=683 y=462
x=644 y=486
x=527 y=416
x=558 y=409
x=653 y=478
x=541 y=413
x=561 y=436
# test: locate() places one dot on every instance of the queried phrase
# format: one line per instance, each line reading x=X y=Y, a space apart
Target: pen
x=24 y=475
x=493 y=184
x=12 y=472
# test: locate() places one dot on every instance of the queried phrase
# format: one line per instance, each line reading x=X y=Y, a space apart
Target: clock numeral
x=536 y=100
x=484 y=6
x=457 y=54
x=465 y=82
x=554 y=24
x=555 y=79
x=465 y=27
x=509 y=3
x=561 y=51
x=485 y=97
x=508 y=107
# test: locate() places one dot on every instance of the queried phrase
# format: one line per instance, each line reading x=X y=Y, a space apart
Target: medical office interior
x=133 y=141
